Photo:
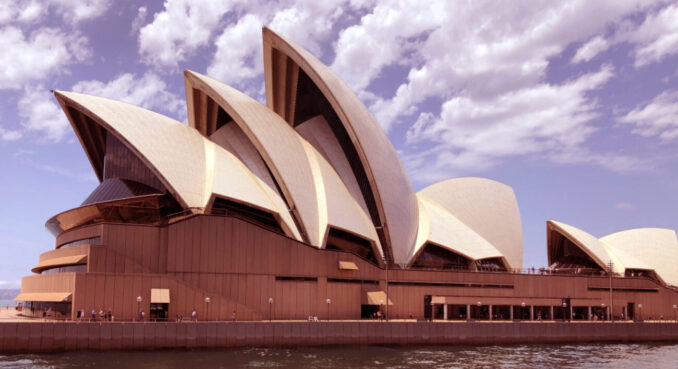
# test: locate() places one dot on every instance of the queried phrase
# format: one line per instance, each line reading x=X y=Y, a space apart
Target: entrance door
x=159 y=311
x=630 y=310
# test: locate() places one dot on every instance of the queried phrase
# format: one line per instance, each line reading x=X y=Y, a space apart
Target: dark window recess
x=117 y=189
x=340 y=240
x=622 y=289
x=295 y=279
x=447 y=284
x=310 y=102
x=568 y=256
x=436 y=257
x=64 y=269
x=121 y=162
x=354 y=281
x=85 y=241
x=222 y=118
x=490 y=265
x=248 y=213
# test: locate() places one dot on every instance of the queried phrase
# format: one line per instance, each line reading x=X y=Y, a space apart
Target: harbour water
x=518 y=356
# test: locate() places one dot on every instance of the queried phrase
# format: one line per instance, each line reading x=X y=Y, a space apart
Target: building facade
x=302 y=208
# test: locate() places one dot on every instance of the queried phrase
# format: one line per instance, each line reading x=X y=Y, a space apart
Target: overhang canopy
x=45 y=297
x=160 y=296
x=347 y=265
x=376 y=298
x=64 y=260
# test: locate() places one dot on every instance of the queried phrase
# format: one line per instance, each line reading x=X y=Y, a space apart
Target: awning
x=64 y=260
x=45 y=296
x=376 y=298
x=347 y=265
x=160 y=296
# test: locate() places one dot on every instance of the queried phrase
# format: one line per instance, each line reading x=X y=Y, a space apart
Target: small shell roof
x=487 y=207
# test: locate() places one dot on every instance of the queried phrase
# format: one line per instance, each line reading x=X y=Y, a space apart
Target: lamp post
x=270 y=304
x=381 y=310
x=139 y=299
x=207 y=307
x=564 y=310
x=674 y=312
x=605 y=311
x=522 y=311
x=479 y=305
x=328 y=301
x=640 y=311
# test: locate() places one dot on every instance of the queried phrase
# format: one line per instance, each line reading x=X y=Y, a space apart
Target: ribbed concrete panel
x=233 y=180
x=488 y=207
x=173 y=151
x=317 y=133
x=447 y=231
x=655 y=248
x=337 y=207
x=234 y=140
x=389 y=185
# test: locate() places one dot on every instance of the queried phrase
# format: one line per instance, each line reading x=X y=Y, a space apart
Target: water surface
x=519 y=356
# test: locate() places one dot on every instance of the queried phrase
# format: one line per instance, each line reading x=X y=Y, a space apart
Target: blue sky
x=574 y=105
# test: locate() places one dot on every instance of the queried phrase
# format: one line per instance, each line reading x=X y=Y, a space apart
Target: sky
x=572 y=104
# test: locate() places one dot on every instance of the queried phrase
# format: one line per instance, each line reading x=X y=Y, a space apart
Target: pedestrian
x=143 y=315
x=94 y=315
x=194 y=316
x=102 y=315
x=110 y=314
x=233 y=316
x=139 y=315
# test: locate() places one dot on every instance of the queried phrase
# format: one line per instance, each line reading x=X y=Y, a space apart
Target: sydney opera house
x=302 y=207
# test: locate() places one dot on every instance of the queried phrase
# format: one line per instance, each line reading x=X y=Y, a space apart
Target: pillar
x=490 y=312
x=433 y=311
x=445 y=312
x=552 y=316
x=468 y=312
x=590 y=316
x=571 y=311
x=531 y=312
x=511 y=312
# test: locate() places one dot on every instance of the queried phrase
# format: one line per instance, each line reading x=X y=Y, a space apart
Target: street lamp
x=328 y=301
x=674 y=312
x=605 y=311
x=564 y=310
x=270 y=304
x=207 y=307
x=640 y=312
x=381 y=309
x=139 y=307
x=522 y=312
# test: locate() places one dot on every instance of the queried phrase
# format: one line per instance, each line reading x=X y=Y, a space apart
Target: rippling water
x=525 y=356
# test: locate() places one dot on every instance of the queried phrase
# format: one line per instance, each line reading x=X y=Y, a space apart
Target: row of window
x=66 y=268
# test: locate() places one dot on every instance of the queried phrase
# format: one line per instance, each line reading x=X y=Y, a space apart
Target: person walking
x=194 y=316
x=233 y=316
x=94 y=316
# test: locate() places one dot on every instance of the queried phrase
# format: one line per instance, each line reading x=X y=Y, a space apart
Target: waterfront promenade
x=39 y=336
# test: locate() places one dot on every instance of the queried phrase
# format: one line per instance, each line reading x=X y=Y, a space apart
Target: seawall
x=30 y=337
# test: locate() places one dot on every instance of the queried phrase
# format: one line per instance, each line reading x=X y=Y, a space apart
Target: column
x=490 y=312
x=511 y=312
x=552 y=316
x=468 y=312
x=571 y=311
x=531 y=312
x=589 y=317
x=445 y=312
x=433 y=311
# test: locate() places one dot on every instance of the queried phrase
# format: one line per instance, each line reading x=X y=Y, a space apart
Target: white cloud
x=9 y=135
x=71 y=11
x=623 y=205
x=182 y=27
x=139 y=20
x=39 y=112
x=590 y=49
x=149 y=91
x=656 y=38
x=476 y=50
x=658 y=117
x=544 y=119
x=33 y=57
x=238 y=56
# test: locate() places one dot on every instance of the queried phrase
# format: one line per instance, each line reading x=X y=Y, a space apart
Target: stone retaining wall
x=70 y=336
